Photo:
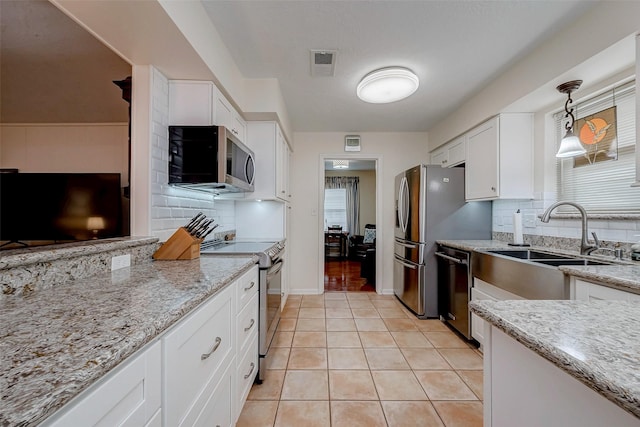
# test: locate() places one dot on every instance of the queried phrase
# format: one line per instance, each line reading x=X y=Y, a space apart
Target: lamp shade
x=570 y=146
x=387 y=85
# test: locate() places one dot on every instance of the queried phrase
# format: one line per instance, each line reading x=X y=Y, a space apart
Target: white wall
x=66 y=147
x=396 y=151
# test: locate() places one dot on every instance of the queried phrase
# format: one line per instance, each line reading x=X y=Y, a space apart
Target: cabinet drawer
x=130 y=396
x=247 y=368
x=247 y=286
x=247 y=324
x=195 y=352
x=217 y=408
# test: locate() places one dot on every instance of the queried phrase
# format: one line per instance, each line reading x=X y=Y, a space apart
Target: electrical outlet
x=120 y=261
x=529 y=221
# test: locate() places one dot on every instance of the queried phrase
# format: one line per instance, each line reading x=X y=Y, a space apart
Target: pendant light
x=570 y=146
x=386 y=85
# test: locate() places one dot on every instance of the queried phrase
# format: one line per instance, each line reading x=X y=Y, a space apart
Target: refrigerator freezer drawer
x=408 y=284
x=410 y=251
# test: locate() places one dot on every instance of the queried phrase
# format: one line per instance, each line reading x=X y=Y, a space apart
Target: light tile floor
x=361 y=359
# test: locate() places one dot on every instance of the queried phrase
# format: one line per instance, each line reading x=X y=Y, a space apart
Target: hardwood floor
x=344 y=276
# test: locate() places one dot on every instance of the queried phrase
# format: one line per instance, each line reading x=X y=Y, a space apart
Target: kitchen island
x=56 y=342
x=560 y=363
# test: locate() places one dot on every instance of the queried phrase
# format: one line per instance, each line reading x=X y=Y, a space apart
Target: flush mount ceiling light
x=341 y=164
x=387 y=85
x=570 y=146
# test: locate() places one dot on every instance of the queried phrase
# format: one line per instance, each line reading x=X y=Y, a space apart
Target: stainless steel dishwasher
x=454 y=288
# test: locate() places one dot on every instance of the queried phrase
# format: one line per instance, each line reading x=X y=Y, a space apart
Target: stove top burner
x=267 y=251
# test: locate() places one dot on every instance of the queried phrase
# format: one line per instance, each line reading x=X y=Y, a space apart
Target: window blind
x=335 y=207
x=603 y=187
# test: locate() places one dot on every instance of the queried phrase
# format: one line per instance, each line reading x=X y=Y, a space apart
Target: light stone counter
x=57 y=341
x=623 y=277
x=596 y=342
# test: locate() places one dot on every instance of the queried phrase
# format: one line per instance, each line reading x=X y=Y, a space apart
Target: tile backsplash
x=563 y=233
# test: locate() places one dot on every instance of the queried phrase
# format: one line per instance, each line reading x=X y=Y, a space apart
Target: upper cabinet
x=190 y=103
x=451 y=154
x=228 y=117
x=272 y=161
x=499 y=162
x=200 y=103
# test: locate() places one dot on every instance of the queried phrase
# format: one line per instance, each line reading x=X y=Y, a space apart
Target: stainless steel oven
x=271 y=256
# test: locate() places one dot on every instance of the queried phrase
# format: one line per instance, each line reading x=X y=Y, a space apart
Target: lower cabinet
x=130 y=395
x=588 y=291
x=196 y=352
x=198 y=373
x=485 y=291
x=522 y=388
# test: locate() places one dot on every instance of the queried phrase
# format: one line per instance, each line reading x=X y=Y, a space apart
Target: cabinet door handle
x=250 y=286
x=250 y=325
x=493 y=188
x=215 y=347
x=253 y=366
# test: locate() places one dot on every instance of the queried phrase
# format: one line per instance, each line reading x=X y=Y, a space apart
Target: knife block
x=181 y=245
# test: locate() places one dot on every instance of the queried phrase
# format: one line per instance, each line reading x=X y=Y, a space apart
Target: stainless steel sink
x=529 y=273
x=529 y=254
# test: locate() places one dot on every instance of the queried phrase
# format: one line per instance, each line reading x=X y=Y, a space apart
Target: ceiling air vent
x=323 y=62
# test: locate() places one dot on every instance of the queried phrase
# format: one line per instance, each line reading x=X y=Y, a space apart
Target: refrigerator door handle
x=400 y=261
x=450 y=258
x=404 y=192
x=406 y=245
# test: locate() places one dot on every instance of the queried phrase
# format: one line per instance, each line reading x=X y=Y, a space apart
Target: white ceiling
x=455 y=47
x=354 y=165
x=54 y=71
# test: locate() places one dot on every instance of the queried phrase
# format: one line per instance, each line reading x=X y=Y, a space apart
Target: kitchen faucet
x=585 y=247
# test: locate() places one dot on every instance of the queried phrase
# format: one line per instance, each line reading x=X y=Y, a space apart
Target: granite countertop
x=56 y=342
x=623 y=277
x=596 y=342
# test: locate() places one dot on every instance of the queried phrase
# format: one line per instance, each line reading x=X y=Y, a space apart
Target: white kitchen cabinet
x=451 y=154
x=272 y=161
x=482 y=290
x=200 y=103
x=196 y=353
x=246 y=337
x=499 y=161
x=190 y=103
x=587 y=291
x=130 y=395
x=522 y=388
x=228 y=117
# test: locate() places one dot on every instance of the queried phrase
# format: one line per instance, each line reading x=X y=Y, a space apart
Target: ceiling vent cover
x=323 y=62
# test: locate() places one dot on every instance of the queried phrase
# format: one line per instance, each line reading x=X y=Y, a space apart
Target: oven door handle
x=275 y=269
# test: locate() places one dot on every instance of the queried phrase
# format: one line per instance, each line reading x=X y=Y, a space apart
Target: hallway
x=344 y=276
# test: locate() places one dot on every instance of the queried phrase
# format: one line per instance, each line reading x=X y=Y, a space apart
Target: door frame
x=377 y=158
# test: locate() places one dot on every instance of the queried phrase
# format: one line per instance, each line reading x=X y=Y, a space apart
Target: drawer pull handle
x=215 y=347
x=250 y=286
x=253 y=365
x=250 y=325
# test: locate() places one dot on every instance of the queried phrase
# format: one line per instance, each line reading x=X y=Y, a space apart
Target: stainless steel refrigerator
x=430 y=206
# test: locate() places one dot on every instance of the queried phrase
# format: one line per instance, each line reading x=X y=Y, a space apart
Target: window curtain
x=350 y=184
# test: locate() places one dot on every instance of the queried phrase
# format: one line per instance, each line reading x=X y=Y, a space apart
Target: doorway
x=349 y=225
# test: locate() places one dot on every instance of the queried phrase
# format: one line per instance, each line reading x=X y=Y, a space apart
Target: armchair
x=359 y=244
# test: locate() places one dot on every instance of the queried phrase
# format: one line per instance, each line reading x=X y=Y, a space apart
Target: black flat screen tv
x=59 y=207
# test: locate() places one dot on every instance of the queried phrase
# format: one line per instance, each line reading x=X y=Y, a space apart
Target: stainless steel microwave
x=209 y=158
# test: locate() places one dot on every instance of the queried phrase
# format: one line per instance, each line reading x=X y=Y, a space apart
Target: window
x=335 y=207
x=602 y=187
